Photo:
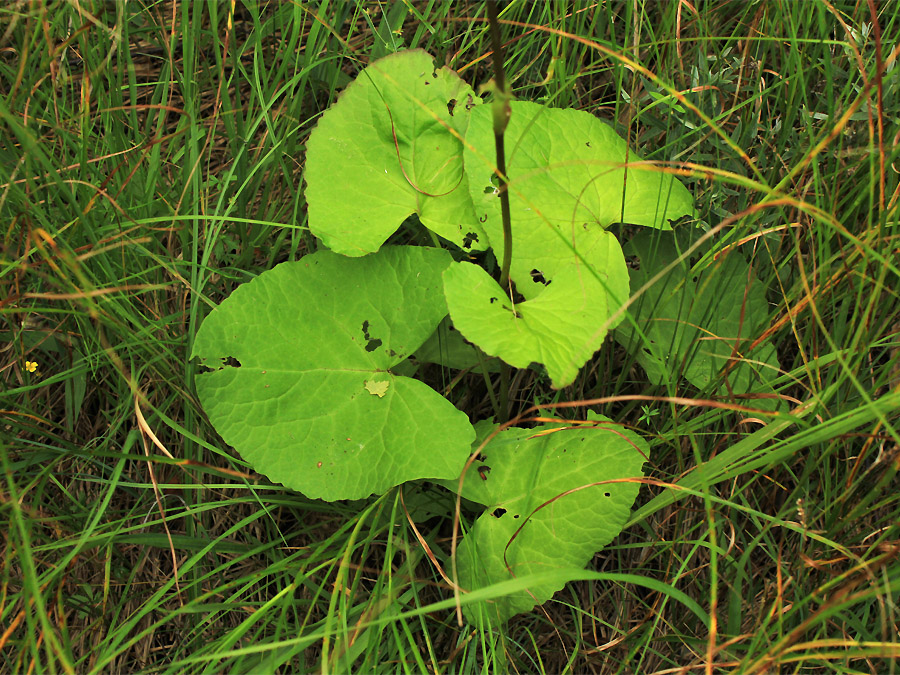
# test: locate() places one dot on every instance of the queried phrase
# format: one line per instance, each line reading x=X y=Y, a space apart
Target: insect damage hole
x=371 y=343
x=498 y=512
x=538 y=277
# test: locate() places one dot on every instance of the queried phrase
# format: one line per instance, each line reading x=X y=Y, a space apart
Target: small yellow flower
x=31 y=366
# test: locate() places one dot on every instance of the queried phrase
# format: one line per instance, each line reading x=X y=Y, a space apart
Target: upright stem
x=501 y=119
x=502 y=111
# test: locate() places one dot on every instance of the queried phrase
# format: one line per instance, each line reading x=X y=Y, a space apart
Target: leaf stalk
x=501 y=112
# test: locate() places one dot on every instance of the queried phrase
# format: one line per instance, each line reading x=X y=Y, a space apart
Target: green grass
x=151 y=159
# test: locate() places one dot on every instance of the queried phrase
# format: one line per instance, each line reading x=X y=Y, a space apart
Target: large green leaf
x=548 y=506
x=567 y=186
x=300 y=382
x=697 y=322
x=359 y=190
x=560 y=328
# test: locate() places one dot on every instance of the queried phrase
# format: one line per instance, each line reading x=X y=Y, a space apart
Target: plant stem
x=504 y=392
x=501 y=119
x=502 y=111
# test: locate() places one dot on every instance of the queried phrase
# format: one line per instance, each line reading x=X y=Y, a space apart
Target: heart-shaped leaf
x=549 y=505
x=300 y=382
x=388 y=148
x=567 y=186
x=697 y=323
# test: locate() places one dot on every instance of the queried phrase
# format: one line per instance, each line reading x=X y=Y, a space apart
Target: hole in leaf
x=588 y=143
x=231 y=362
x=371 y=343
x=497 y=513
x=483 y=471
x=538 y=277
x=470 y=103
x=493 y=300
x=606 y=494
x=489 y=189
x=516 y=516
x=451 y=104
x=469 y=239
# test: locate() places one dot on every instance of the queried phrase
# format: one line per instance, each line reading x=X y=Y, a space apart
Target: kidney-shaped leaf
x=699 y=324
x=548 y=506
x=568 y=183
x=560 y=328
x=298 y=374
x=388 y=148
